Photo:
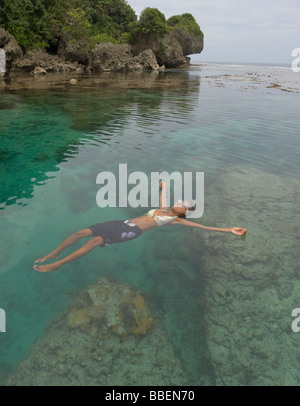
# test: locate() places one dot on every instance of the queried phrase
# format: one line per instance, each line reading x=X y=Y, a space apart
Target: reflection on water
x=54 y=142
x=41 y=128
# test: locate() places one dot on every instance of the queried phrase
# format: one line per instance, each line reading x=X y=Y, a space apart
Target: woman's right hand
x=239 y=230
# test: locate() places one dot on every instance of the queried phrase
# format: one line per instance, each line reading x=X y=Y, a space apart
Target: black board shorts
x=117 y=231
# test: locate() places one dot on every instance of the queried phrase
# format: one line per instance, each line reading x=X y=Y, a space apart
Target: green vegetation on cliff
x=151 y=23
x=26 y=20
x=186 y=22
x=43 y=23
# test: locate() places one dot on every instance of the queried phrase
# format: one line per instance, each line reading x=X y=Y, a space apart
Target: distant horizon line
x=283 y=64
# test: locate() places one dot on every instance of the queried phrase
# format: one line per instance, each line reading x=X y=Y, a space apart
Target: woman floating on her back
x=112 y=232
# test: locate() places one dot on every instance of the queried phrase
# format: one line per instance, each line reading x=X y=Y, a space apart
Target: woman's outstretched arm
x=163 y=196
x=234 y=230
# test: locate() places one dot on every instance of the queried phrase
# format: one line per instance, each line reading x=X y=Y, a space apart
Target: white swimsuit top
x=161 y=220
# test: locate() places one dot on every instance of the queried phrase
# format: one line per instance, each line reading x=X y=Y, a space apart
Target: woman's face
x=181 y=207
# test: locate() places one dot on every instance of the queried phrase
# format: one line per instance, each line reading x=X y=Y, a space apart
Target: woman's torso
x=147 y=221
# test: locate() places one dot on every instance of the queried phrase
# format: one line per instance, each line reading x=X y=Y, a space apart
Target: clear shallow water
x=53 y=143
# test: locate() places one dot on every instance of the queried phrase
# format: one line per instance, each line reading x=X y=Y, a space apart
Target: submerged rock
x=112 y=308
x=39 y=71
x=250 y=285
x=107 y=336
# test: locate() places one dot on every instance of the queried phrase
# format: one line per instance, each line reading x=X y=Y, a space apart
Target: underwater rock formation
x=107 y=336
x=251 y=284
x=111 y=308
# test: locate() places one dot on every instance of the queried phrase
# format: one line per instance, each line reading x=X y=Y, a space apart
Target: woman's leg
x=71 y=240
x=85 y=249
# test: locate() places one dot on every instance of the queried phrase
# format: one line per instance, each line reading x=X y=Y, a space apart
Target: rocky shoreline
x=168 y=52
x=249 y=77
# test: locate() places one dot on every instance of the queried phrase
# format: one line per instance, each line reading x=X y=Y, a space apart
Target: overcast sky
x=239 y=30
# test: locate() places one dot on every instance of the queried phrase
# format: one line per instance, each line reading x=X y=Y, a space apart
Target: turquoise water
x=54 y=142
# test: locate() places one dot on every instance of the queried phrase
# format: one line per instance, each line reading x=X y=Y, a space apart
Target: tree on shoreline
x=41 y=24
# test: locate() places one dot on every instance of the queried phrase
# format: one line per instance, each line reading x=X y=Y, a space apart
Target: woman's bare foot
x=52 y=255
x=47 y=268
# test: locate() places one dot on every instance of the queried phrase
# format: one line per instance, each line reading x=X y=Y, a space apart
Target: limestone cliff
x=169 y=51
x=9 y=45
